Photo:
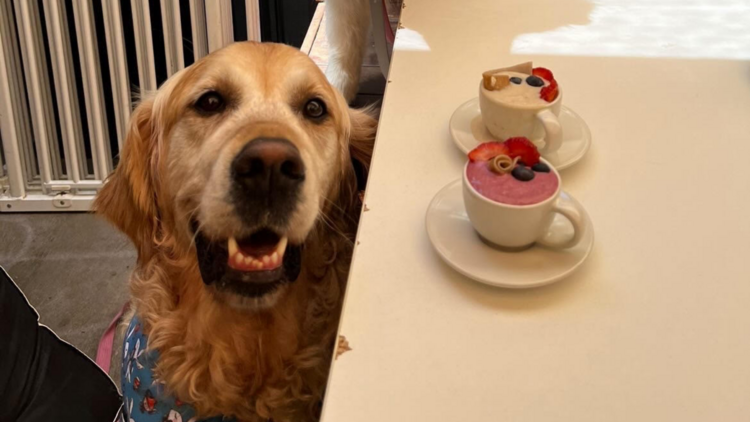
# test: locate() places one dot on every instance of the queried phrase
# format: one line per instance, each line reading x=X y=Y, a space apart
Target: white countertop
x=656 y=324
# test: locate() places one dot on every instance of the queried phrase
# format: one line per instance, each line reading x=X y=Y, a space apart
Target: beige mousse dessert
x=523 y=101
x=521 y=85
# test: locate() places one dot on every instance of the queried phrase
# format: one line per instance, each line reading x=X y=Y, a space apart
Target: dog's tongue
x=262 y=251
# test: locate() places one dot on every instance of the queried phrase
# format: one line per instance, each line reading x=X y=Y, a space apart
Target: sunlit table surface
x=655 y=326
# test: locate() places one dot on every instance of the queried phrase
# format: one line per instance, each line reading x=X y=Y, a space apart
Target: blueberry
x=522 y=173
x=535 y=81
x=516 y=80
x=540 y=167
x=521 y=163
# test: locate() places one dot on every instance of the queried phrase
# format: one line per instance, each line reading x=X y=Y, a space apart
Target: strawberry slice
x=523 y=148
x=549 y=93
x=543 y=73
x=488 y=151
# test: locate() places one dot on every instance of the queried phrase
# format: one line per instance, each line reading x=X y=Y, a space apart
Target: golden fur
x=249 y=364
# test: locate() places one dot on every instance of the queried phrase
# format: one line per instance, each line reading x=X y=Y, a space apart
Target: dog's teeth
x=247 y=262
x=281 y=247
x=232 y=246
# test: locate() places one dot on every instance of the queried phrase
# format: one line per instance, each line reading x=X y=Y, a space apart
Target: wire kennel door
x=68 y=69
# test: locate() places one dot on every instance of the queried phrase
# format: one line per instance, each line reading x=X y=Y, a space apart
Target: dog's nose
x=268 y=165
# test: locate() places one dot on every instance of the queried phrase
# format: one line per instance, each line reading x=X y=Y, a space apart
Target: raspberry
x=543 y=73
x=522 y=147
x=549 y=93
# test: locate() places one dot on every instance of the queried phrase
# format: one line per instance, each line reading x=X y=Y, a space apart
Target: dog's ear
x=128 y=197
x=362 y=129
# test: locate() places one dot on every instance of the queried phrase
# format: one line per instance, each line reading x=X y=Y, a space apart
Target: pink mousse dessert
x=511 y=173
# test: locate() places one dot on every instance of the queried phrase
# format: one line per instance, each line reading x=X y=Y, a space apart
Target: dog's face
x=242 y=152
x=253 y=153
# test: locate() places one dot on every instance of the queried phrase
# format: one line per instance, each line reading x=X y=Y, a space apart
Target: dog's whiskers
x=191 y=214
x=338 y=208
x=195 y=235
x=333 y=227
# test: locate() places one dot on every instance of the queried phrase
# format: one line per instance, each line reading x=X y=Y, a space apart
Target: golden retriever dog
x=238 y=186
x=347 y=30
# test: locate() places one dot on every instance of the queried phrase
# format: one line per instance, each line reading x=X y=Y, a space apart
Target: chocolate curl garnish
x=503 y=164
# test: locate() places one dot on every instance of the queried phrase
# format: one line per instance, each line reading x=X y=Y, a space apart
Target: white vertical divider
x=170 y=18
x=144 y=45
x=219 y=24
x=93 y=90
x=118 y=66
x=14 y=124
x=378 y=20
x=198 y=26
x=65 y=84
x=252 y=10
x=17 y=107
x=37 y=83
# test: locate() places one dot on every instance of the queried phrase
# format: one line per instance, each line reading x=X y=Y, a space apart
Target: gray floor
x=73 y=268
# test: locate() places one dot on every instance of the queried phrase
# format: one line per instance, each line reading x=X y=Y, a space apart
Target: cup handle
x=552 y=129
x=574 y=213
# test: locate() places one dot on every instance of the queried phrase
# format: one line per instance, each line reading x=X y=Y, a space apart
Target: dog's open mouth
x=262 y=251
x=250 y=266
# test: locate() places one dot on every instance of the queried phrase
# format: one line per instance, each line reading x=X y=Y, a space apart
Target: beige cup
x=516 y=227
x=539 y=123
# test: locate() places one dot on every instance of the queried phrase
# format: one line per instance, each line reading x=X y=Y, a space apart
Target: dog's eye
x=210 y=102
x=315 y=109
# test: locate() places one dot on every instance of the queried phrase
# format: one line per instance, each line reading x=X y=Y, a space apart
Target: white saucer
x=455 y=240
x=468 y=131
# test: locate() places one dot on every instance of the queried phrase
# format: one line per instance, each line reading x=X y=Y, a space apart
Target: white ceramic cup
x=539 y=123
x=520 y=226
